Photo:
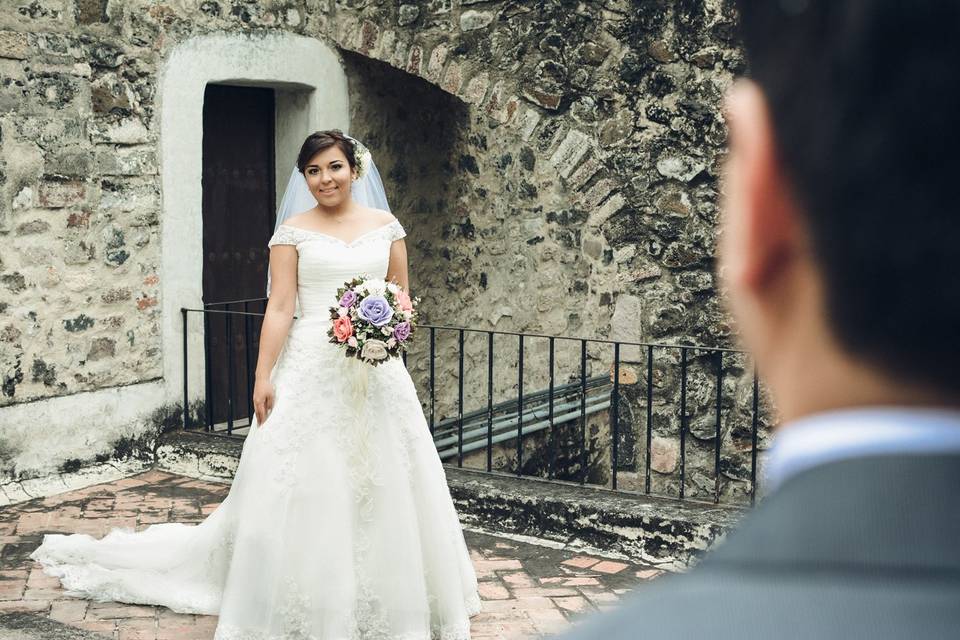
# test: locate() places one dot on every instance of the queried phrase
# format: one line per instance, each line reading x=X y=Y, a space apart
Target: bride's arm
x=276 y=323
x=397 y=269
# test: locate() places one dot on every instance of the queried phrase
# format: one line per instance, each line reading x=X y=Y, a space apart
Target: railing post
x=520 y=407
x=230 y=372
x=553 y=431
x=489 y=400
x=646 y=482
x=246 y=356
x=616 y=409
x=583 y=411
x=753 y=447
x=186 y=397
x=718 y=437
x=207 y=366
x=433 y=381
x=683 y=418
x=460 y=403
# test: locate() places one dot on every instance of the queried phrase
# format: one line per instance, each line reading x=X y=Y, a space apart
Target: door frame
x=311 y=92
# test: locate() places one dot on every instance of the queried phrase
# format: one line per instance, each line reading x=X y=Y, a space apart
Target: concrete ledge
x=657 y=531
x=199 y=455
x=54 y=483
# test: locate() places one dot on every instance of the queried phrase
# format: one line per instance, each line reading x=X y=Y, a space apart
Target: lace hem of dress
x=236 y=633
x=92 y=582
x=363 y=628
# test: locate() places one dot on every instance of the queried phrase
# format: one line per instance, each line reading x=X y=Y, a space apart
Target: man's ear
x=762 y=211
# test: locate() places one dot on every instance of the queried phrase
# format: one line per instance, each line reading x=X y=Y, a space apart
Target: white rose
x=375 y=286
x=393 y=288
x=341 y=311
x=374 y=350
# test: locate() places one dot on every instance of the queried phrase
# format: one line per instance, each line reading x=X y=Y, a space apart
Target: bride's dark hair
x=320 y=140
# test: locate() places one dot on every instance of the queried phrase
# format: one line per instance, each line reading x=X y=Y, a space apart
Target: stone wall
x=580 y=199
x=555 y=164
x=78 y=216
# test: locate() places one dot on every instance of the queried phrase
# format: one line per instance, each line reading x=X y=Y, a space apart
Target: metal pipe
x=510 y=420
x=450 y=424
x=509 y=434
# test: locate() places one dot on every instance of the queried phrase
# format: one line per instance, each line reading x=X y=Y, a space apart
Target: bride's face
x=329 y=176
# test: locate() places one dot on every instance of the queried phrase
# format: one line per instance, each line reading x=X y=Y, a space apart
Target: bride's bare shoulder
x=299 y=219
x=383 y=216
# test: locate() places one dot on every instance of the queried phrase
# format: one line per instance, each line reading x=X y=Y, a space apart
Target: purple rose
x=376 y=310
x=348 y=298
x=402 y=331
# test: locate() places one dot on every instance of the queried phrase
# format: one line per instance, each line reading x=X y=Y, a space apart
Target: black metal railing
x=527 y=423
x=590 y=395
x=231 y=332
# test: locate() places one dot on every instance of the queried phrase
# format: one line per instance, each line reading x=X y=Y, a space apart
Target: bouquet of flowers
x=372 y=320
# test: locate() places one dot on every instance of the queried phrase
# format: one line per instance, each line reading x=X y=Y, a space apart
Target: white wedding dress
x=339 y=523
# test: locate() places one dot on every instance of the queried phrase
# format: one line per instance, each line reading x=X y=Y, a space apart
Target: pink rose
x=342 y=328
x=403 y=299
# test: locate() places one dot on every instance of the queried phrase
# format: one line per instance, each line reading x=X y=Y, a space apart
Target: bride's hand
x=263 y=397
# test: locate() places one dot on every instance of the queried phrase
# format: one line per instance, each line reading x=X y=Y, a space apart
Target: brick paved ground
x=528 y=590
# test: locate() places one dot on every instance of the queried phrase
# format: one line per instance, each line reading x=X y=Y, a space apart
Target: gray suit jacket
x=861 y=548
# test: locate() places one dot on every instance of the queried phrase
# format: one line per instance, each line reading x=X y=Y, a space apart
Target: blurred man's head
x=841 y=226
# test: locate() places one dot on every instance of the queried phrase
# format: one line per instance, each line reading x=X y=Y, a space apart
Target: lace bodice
x=326 y=262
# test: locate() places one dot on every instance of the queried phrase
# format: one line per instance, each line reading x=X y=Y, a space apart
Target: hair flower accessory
x=361 y=155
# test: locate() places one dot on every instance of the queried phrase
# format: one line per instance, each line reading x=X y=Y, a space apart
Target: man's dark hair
x=865 y=102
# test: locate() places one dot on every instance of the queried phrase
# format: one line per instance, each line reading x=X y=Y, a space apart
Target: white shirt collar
x=848 y=433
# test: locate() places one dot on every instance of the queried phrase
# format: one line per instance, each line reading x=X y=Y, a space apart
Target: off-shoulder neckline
x=341 y=240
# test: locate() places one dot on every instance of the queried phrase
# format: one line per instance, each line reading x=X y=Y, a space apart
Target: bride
x=339 y=523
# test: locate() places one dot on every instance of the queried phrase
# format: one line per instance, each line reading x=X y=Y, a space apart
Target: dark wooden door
x=238 y=218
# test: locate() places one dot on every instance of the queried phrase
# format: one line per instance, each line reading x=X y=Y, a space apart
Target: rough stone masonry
x=579 y=195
